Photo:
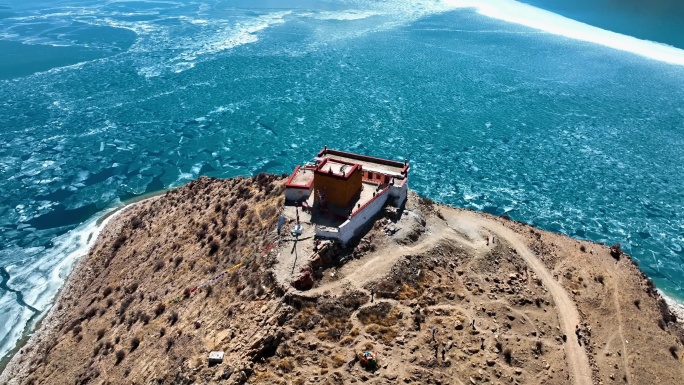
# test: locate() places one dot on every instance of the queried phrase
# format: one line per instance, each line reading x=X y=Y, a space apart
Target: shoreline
x=38 y=325
x=41 y=328
x=675 y=306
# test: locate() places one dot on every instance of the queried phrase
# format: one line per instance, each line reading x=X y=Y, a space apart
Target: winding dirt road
x=464 y=228
x=576 y=356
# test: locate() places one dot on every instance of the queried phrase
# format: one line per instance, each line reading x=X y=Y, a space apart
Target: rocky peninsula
x=439 y=294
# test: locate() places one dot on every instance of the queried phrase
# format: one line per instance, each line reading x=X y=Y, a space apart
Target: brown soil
x=410 y=295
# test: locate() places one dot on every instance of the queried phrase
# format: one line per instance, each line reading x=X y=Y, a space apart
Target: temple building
x=341 y=191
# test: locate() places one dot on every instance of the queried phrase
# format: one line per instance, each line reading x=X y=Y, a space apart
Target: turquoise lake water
x=503 y=108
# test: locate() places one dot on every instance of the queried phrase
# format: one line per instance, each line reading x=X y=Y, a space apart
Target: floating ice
x=40 y=274
x=348 y=15
x=530 y=16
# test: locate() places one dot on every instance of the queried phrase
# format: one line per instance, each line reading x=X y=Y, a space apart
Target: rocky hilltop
x=440 y=295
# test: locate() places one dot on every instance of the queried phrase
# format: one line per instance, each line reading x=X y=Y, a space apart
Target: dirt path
x=359 y=273
x=568 y=315
x=370 y=270
x=465 y=228
x=618 y=311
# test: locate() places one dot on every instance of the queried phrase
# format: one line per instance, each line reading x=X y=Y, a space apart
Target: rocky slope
x=409 y=290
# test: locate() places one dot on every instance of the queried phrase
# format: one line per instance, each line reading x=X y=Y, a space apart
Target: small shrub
x=600 y=278
x=208 y=291
x=96 y=350
x=426 y=201
x=583 y=249
x=90 y=313
x=110 y=302
x=159 y=310
x=169 y=343
x=267 y=212
x=499 y=347
x=158 y=266
x=100 y=334
x=197 y=324
x=538 y=347
x=162 y=331
x=508 y=355
x=232 y=234
x=178 y=261
x=88 y=376
x=637 y=303
x=119 y=242
x=213 y=247
x=135 y=342
x=173 y=318
x=73 y=324
x=674 y=350
x=124 y=305
x=201 y=234
x=242 y=210
x=130 y=289
x=107 y=291
x=77 y=329
x=662 y=324
x=136 y=222
x=616 y=251
x=119 y=356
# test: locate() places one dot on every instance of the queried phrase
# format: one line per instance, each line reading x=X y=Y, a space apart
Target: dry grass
x=333 y=330
x=384 y=333
x=408 y=292
x=337 y=360
x=381 y=314
x=287 y=364
x=306 y=315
